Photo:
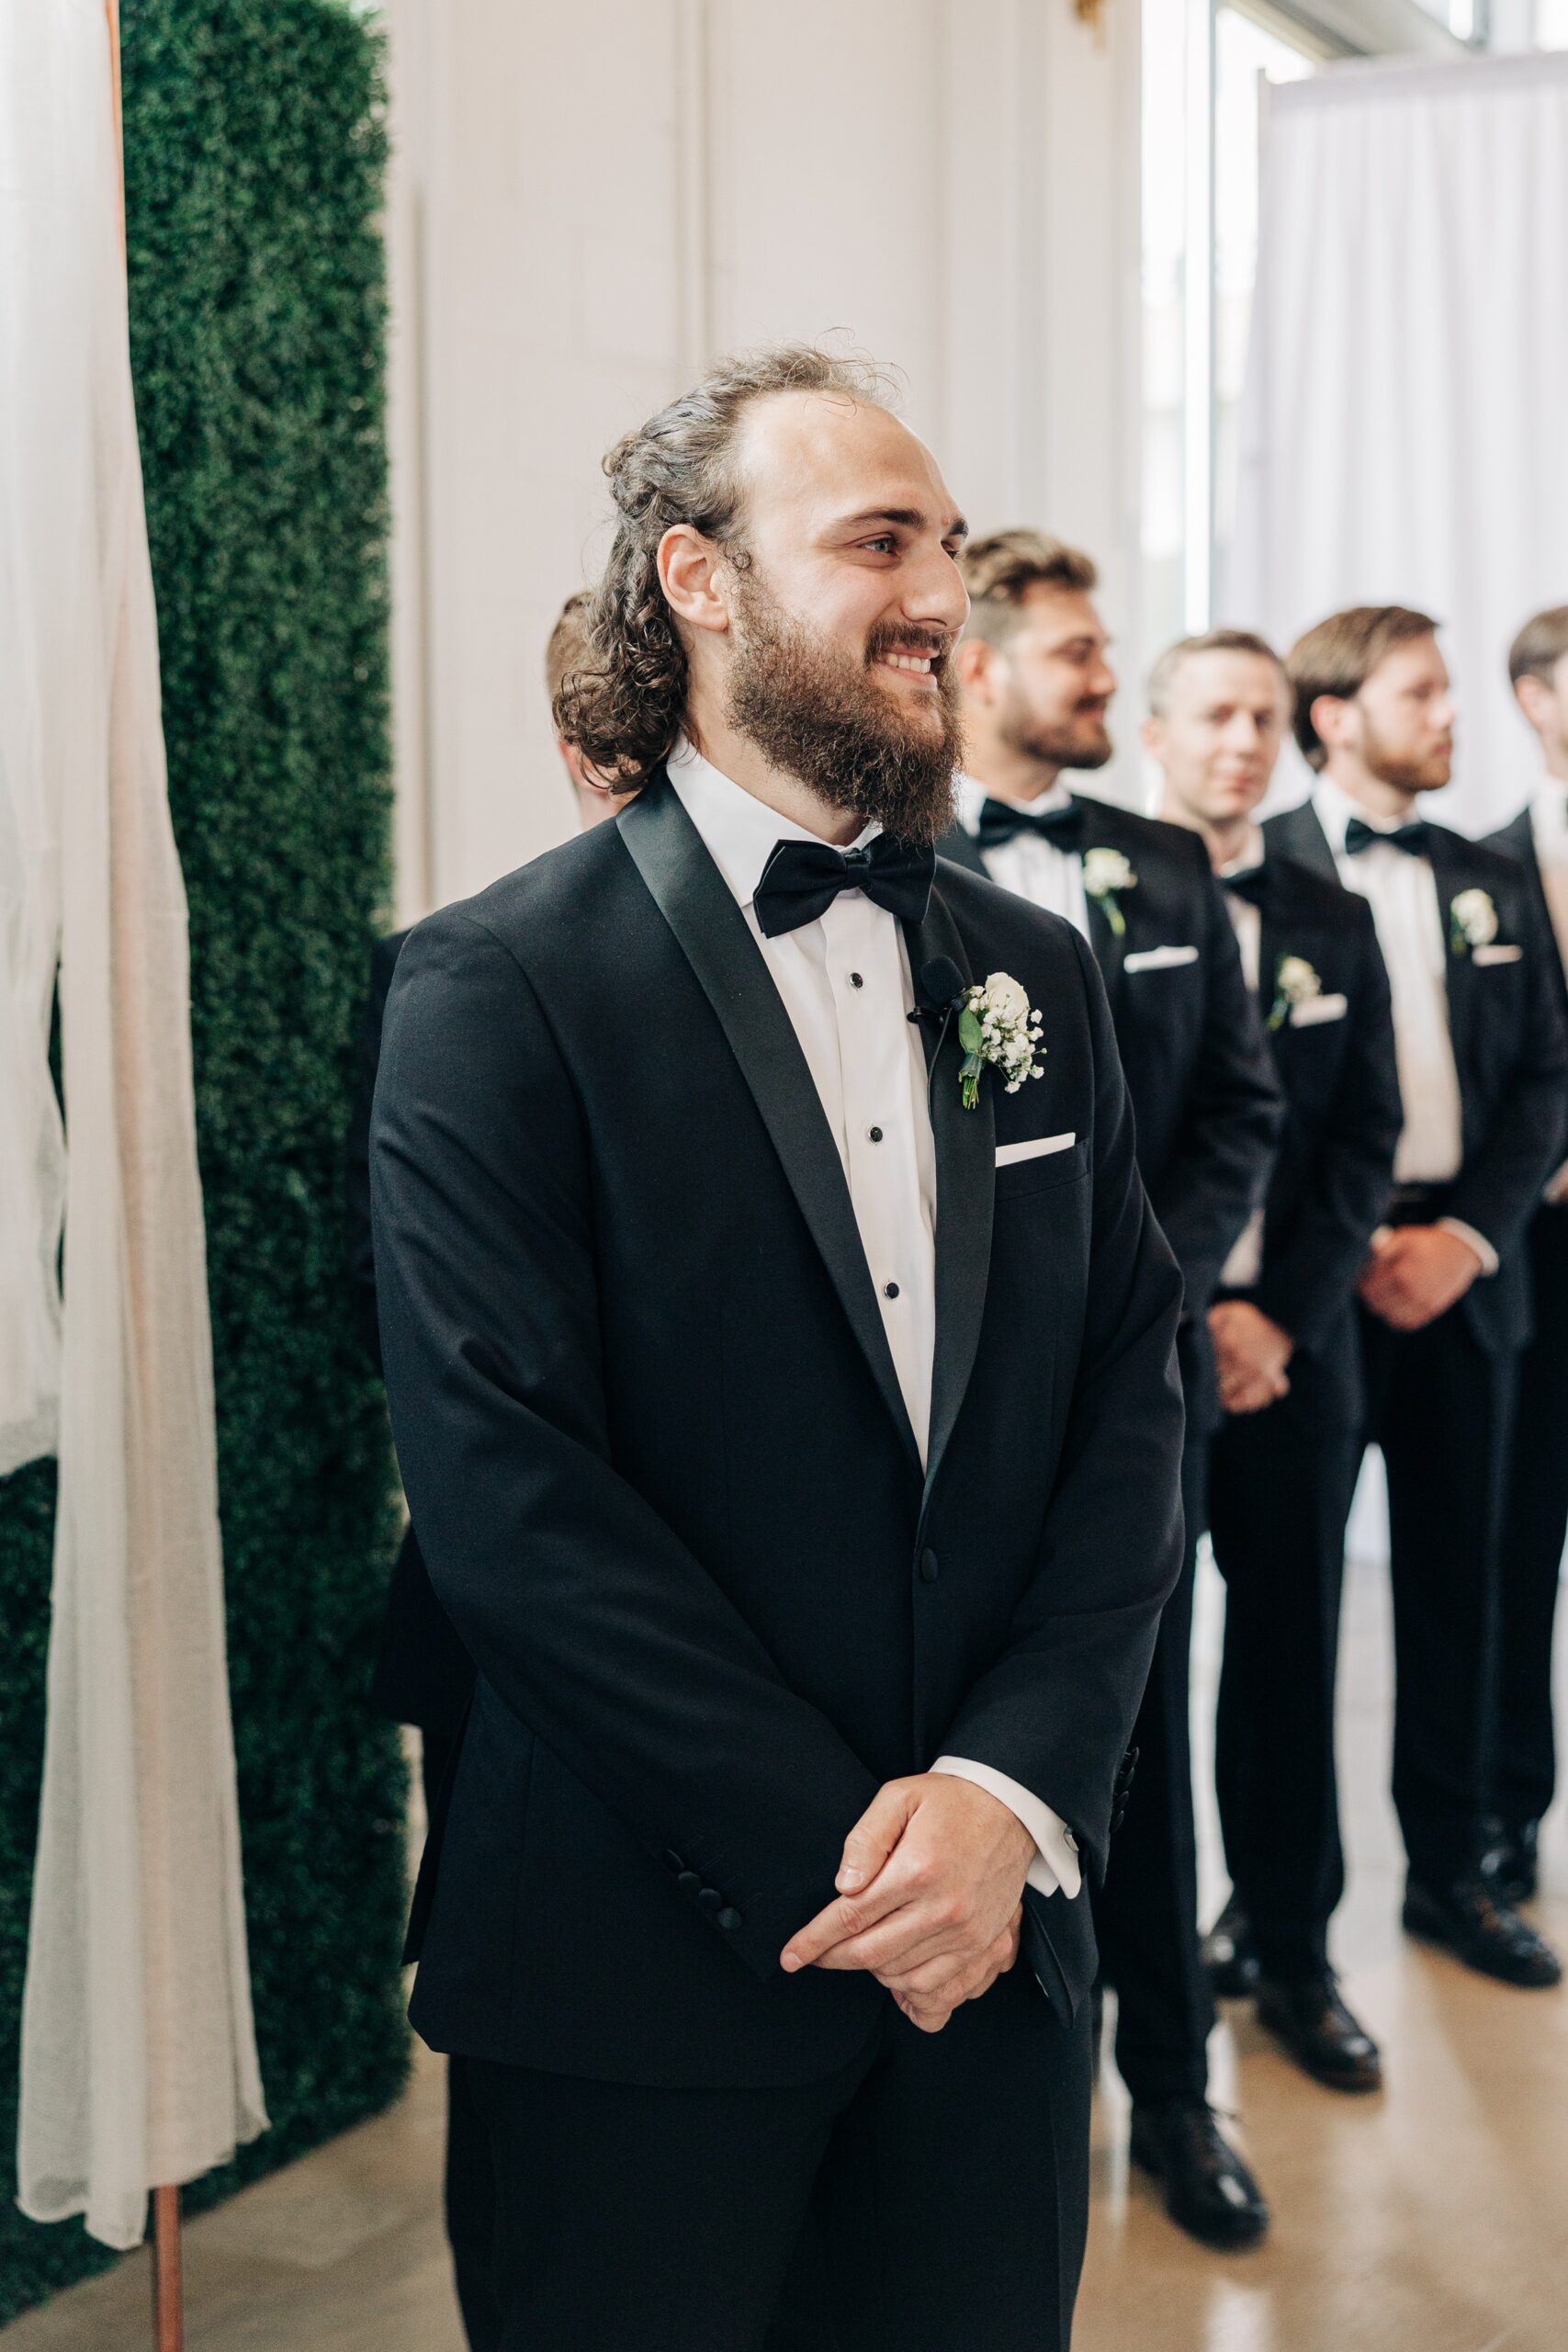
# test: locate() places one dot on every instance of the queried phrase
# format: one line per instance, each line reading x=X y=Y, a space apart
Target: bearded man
x=783 y=1386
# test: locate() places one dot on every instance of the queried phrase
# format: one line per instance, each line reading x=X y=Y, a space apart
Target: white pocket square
x=1009 y=1154
x=1160 y=960
x=1496 y=955
x=1313 y=1009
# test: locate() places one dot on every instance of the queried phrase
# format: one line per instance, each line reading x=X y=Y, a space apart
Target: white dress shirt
x=1549 y=831
x=1412 y=928
x=1047 y=876
x=844 y=981
x=1245 y=1265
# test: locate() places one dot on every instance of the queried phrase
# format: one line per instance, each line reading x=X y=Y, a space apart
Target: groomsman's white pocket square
x=1010 y=1153
x=1160 y=960
x=1496 y=955
x=1313 y=1009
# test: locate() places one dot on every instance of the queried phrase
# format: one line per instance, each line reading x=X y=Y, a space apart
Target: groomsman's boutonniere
x=1105 y=873
x=1295 y=983
x=996 y=1024
x=1472 y=921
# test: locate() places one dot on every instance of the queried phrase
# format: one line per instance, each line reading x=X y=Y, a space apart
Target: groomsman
x=1445 y=1292
x=1536 y=1524
x=1282 y=1467
x=423 y=1675
x=1036 y=685
x=783 y=1379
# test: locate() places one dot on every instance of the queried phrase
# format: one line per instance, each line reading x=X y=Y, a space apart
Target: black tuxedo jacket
x=656 y=1449
x=1510 y=1050
x=423 y=1675
x=1205 y=1103
x=1334 y=1170
x=1517 y=840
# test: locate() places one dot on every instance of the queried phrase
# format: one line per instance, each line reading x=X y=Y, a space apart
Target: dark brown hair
x=1540 y=646
x=1162 y=677
x=1339 y=655
x=625 y=704
x=999 y=570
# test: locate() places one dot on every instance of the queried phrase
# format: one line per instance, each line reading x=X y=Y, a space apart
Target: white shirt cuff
x=1056 y=1868
x=1477 y=1241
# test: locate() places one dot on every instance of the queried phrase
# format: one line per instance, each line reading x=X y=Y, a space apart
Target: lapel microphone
x=940 y=982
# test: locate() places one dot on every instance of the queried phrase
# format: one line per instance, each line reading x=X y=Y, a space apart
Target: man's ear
x=691 y=572
x=978 y=667
x=1532 y=698
x=1151 y=734
x=1330 y=716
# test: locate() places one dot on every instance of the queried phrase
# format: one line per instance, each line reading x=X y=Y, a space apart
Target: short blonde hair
x=1162 y=677
x=1339 y=655
x=999 y=570
x=567 y=642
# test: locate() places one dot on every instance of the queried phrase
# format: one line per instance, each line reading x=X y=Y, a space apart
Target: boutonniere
x=1295 y=983
x=1105 y=873
x=996 y=1025
x=1472 y=921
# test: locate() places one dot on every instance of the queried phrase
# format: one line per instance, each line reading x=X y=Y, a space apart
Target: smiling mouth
x=912 y=665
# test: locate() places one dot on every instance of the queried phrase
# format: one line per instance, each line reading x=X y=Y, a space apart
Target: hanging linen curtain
x=1403 y=433
x=139 y=2062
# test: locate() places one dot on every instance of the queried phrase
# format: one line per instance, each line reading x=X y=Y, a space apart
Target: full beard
x=820 y=715
x=1080 y=742
x=1406 y=775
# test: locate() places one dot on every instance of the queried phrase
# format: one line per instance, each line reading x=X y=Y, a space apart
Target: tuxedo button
x=889 y=1290
x=688 y=1880
x=709 y=1898
x=929 y=1568
x=856 y=981
x=874 y=1134
x=729 y=1919
x=673 y=1861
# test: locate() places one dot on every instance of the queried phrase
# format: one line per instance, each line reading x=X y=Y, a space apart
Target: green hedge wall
x=255 y=149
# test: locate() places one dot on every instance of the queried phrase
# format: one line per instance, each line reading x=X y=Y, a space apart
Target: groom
x=794 y=1448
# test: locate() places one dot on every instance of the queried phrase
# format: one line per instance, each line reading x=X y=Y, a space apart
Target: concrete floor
x=1432 y=2220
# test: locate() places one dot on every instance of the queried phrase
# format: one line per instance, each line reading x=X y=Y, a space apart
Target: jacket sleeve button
x=929 y=1568
x=710 y=1898
x=688 y=1880
x=729 y=1919
x=673 y=1861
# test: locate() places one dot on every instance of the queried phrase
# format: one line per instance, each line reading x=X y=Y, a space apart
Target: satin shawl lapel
x=1298 y=833
x=1110 y=946
x=966 y=1182
x=963 y=849
x=1449 y=872
x=715 y=939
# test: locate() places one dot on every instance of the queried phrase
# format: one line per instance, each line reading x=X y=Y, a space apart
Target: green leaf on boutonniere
x=969 y=1032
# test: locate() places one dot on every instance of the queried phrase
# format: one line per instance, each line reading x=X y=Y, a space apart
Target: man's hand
x=1250 y=1356
x=1415 y=1273
x=930 y=1896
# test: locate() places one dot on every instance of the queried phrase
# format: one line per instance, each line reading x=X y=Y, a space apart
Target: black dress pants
x=469 y=2186
x=1440 y=1407
x=1534 y=1527
x=1280 y=1488
x=1146 y=1913
x=933 y=2197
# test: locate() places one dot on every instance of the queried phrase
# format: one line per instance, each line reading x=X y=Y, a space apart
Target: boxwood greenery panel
x=255 y=148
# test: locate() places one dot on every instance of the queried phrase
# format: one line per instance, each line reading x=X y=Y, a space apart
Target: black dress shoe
x=1209 y=2192
x=1470 y=1920
x=1307 y=2015
x=1229 y=1956
x=1513 y=1860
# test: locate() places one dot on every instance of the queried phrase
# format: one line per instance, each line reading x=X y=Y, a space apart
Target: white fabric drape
x=138 y=2062
x=1404 y=427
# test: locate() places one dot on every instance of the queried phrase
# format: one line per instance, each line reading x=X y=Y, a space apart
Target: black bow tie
x=801 y=880
x=1000 y=820
x=1251 y=883
x=1414 y=838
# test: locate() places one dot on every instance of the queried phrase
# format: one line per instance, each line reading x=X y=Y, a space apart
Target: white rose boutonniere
x=1472 y=921
x=997 y=1025
x=1295 y=982
x=1106 y=872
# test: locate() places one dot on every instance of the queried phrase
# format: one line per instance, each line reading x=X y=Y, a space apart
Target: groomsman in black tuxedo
x=423 y=1675
x=1282 y=1467
x=1036 y=687
x=1445 y=1293
x=1536 y=1525
x=783 y=1383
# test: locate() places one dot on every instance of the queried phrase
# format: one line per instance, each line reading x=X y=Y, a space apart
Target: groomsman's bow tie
x=1414 y=837
x=801 y=880
x=1251 y=883
x=1002 y=820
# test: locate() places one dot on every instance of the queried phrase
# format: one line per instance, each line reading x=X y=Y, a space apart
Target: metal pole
x=169 y=2288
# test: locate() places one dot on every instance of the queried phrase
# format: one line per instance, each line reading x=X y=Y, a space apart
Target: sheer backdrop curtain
x=138 y=2062
x=1404 y=427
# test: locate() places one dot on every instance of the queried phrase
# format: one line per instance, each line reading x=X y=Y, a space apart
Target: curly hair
x=625 y=704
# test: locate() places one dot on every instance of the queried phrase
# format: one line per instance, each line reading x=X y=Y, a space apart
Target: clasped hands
x=929 y=1898
x=1416 y=1272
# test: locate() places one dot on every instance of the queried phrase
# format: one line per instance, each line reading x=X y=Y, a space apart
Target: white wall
x=587 y=203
